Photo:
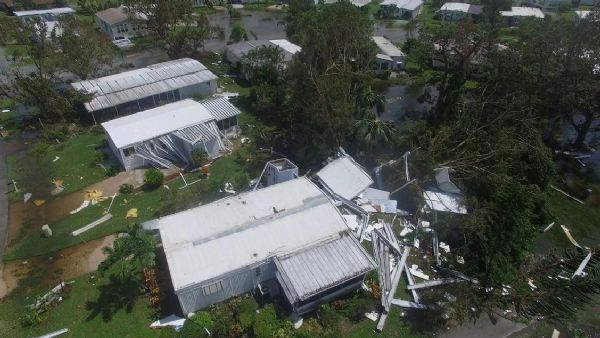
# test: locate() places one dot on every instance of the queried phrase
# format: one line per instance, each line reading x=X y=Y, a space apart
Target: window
x=128 y=151
x=212 y=288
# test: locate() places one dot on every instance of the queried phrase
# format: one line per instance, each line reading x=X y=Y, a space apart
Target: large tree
x=84 y=51
x=328 y=76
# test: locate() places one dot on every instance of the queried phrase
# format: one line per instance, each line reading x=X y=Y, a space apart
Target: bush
x=51 y=135
x=203 y=319
x=111 y=171
x=153 y=178
x=125 y=189
x=31 y=318
x=265 y=322
x=356 y=307
x=245 y=312
x=192 y=329
x=198 y=157
x=39 y=149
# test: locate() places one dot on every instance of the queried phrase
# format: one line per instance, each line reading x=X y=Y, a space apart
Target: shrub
x=203 y=319
x=98 y=158
x=39 y=149
x=125 y=189
x=265 y=322
x=192 y=329
x=356 y=307
x=245 y=312
x=51 y=135
x=31 y=318
x=153 y=178
x=198 y=157
x=111 y=171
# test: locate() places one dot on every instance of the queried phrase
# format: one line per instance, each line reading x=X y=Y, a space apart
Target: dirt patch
x=50 y=269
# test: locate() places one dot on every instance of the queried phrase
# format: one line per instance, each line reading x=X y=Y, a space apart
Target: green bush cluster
x=153 y=178
x=125 y=188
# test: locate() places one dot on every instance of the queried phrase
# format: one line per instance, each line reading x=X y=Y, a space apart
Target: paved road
x=3 y=200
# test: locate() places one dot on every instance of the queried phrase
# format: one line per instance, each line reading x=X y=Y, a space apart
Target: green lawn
x=237 y=168
x=582 y=221
x=395 y=327
x=87 y=311
x=75 y=166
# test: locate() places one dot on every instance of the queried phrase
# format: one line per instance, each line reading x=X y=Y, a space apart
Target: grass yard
x=581 y=220
x=395 y=327
x=87 y=311
x=76 y=165
x=236 y=168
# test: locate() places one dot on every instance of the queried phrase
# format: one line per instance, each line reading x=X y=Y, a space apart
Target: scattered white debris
x=549 y=227
x=555 y=333
x=445 y=247
x=351 y=221
x=425 y=224
x=504 y=292
x=245 y=140
x=531 y=285
x=570 y=237
x=26 y=197
x=416 y=244
x=83 y=205
x=460 y=260
x=229 y=188
x=54 y=334
x=372 y=315
x=171 y=320
x=91 y=225
x=6 y=111
x=46 y=230
x=296 y=320
x=56 y=159
x=582 y=266
x=415 y=271
x=405 y=231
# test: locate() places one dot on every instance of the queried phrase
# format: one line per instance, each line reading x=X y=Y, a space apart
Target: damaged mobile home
x=165 y=136
x=288 y=237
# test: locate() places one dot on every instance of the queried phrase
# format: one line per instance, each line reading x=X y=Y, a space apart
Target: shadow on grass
x=116 y=295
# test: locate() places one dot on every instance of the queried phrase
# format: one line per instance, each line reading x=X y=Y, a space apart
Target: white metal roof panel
x=441 y=201
x=51 y=11
x=345 y=177
x=387 y=47
x=209 y=241
x=112 y=90
x=410 y=5
x=286 y=46
x=318 y=268
x=455 y=7
x=149 y=124
x=220 y=108
x=524 y=11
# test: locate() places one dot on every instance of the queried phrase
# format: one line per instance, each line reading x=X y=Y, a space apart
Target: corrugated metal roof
x=220 y=108
x=387 y=47
x=445 y=202
x=149 y=124
x=197 y=132
x=524 y=11
x=286 y=46
x=309 y=271
x=410 y=5
x=119 y=14
x=112 y=90
x=455 y=7
x=51 y=11
x=209 y=241
x=345 y=177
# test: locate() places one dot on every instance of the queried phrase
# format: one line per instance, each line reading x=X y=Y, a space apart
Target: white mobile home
x=119 y=23
x=288 y=234
x=236 y=51
x=516 y=14
x=165 y=136
x=141 y=89
x=457 y=11
x=390 y=56
x=401 y=9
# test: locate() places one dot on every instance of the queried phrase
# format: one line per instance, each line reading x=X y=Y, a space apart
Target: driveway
x=484 y=327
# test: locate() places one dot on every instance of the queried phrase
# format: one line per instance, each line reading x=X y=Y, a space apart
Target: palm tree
x=133 y=251
x=372 y=131
x=372 y=99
